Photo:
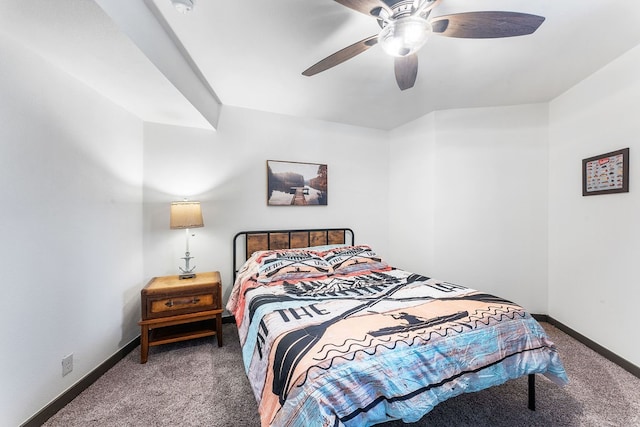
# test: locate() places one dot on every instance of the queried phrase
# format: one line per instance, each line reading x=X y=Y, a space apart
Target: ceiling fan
x=407 y=24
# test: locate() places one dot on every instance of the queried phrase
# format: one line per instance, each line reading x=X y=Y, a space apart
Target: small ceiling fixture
x=404 y=36
x=183 y=6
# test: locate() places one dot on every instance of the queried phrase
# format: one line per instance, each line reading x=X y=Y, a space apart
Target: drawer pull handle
x=194 y=300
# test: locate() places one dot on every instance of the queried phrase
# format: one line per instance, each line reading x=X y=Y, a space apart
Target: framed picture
x=296 y=184
x=606 y=173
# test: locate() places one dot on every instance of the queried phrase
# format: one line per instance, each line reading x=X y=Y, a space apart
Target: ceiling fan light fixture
x=183 y=6
x=404 y=36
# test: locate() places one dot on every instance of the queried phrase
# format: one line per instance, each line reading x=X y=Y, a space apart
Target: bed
x=332 y=335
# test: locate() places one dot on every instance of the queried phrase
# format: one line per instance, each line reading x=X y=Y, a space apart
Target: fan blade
x=342 y=55
x=486 y=25
x=406 y=68
x=366 y=6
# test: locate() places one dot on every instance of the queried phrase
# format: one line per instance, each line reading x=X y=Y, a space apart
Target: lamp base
x=187 y=273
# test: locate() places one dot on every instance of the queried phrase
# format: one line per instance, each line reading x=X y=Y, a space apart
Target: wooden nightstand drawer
x=181 y=304
x=204 y=301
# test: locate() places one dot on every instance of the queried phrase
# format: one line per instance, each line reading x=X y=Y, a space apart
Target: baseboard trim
x=540 y=317
x=607 y=354
x=61 y=401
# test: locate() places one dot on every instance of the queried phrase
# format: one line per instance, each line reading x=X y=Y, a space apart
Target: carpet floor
x=197 y=383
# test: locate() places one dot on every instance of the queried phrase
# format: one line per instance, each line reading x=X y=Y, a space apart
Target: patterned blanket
x=371 y=346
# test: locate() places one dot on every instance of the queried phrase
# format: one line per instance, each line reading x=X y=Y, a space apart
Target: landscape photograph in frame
x=296 y=184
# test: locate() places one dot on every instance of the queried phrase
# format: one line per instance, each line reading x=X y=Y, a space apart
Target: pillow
x=291 y=265
x=325 y=248
x=350 y=259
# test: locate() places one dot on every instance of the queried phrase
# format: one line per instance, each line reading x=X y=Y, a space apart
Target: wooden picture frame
x=606 y=174
x=296 y=183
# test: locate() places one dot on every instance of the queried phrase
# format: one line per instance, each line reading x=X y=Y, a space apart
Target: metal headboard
x=287 y=239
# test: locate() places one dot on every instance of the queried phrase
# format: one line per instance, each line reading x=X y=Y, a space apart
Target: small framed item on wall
x=606 y=173
x=296 y=183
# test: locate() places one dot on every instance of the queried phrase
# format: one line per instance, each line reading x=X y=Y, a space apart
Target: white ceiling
x=78 y=37
x=251 y=54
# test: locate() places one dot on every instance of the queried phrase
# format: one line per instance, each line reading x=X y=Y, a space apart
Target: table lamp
x=186 y=215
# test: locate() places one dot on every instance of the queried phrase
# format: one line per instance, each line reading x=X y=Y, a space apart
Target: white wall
x=594 y=241
x=226 y=171
x=71 y=221
x=412 y=182
x=472 y=183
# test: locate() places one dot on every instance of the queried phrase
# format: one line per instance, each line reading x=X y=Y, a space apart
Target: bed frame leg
x=532 y=392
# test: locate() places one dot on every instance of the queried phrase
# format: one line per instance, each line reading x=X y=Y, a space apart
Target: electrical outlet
x=67 y=364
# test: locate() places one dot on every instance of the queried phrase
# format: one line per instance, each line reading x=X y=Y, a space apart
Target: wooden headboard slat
x=299 y=239
x=336 y=237
x=276 y=241
x=288 y=239
x=318 y=238
x=257 y=241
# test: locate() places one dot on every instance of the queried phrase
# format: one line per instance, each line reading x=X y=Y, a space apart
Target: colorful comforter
x=325 y=345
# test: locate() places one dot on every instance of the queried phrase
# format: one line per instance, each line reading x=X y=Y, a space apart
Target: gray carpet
x=196 y=383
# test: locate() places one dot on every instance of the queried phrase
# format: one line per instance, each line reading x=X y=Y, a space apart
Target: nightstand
x=175 y=309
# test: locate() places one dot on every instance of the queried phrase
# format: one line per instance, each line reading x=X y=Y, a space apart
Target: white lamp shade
x=185 y=215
